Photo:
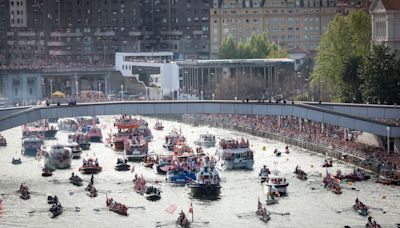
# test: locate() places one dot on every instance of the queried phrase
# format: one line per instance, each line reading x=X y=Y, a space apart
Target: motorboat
x=356 y=175
x=24 y=192
x=31 y=145
x=75 y=149
x=207 y=182
x=92 y=192
x=140 y=184
x=180 y=176
x=56 y=209
x=52 y=200
x=328 y=163
x=95 y=134
x=90 y=166
x=263 y=174
x=57 y=155
x=3 y=141
x=148 y=161
x=232 y=154
x=16 y=161
x=122 y=165
x=360 y=208
x=117 y=140
x=172 y=139
x=68 y=124
x=332 y=183
x=81 y=139
x=206 y=140
x=46 y=172
x=277 y=183
x=158 y=126
x=116 y=207
x=126 y=122
x=136 y=149
x=152 y=193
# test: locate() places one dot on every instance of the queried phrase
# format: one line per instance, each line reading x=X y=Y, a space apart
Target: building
x=91 y=31
x=345 y=6
x=289 y=23
x=386 y=23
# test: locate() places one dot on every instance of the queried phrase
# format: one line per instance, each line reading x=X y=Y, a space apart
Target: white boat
x=58 y=155
x=206 y=140
x=31 y=145
x=136 y=149
x=276 y=184
x=234 y=155
x=68 y=124
x=75 y=149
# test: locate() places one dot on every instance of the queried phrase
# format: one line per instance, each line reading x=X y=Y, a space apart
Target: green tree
x=380 y=72
x=345 y=38
x=228 y=48
x=352 y=81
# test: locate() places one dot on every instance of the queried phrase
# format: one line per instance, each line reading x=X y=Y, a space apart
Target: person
x=72 y=175
x=55 y=199
x=264 y=170
x=92 y=180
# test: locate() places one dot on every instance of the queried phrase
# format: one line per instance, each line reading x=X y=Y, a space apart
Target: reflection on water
x=308 y=203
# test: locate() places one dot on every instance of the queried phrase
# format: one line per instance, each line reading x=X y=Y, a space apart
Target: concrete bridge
x=307 y=111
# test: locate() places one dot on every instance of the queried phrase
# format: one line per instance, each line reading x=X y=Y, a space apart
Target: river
x=307 y=205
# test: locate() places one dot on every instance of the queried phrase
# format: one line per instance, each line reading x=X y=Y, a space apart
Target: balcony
x=172 y=33
x=65 y=34
x=56 y=43
x=60 y=52
x=26 y=34
x=135 y=33
x=110 y=33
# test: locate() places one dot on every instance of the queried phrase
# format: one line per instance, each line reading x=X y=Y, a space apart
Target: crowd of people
x=329 y=136
x=55 y=65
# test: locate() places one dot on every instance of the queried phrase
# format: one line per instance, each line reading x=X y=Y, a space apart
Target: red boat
x=90 y=167
x=388 y=181
x=118 y=208
x=126 y=122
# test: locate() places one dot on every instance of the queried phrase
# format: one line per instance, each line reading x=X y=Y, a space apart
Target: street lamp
x=212 y=96
x=51 y=87
x=99 y=89
x=122 y=92
x=201 y=94
x=388 y=139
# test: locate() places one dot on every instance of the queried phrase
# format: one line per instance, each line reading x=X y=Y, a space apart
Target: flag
x=133 y=169
x=259 y=204
x=171 y=209
x=191 y=208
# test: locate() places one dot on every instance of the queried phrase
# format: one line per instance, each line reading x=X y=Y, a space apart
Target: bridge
x=25 y=115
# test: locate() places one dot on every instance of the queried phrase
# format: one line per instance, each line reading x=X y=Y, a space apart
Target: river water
x=308 y=203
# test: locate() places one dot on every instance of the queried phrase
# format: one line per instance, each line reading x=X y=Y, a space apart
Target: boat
x=52 y=200
x=182 y=221
x=162 y=164
x=152 y=193
x=69 y=124
x=287 y=149
x=140 y=184
x=356 y=175
x=16 y=161
x=90 y=166
x=372 y=223
x=276 y=183
x=180 y=176
x=75 y=149
x=24 y=192
x=136 y=149
x=195 y=124
x=95 y=134
x=57 y=155
x=46 y=172
x=262 y=213
x=148 y=161
x=81 y=139
x=56 y=209
x=126 y=122
x=87 y=121
x=277 y=152
x=117 y=140
x=271 y=199
x=206 y=140
x=388 y=181
x=75 y=180
x=328 y=163
x=263 y=174
x=172 y=139
x=158 y=126
x=122 y=165
x=300 y=174
x=49 y=131
x=332 y=183
x=207 y=182
x=3 y=141
x=234 y=155
x=360 y=208
x=31 y=145
x=116 y=207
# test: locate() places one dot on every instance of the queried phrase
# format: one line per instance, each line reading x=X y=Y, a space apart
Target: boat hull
x=122 y=167
x=84 y=146
x=180 y=178
x=31 y=152
x=281 y=188
x=205 y=143
x=90 y=170
x=95 y=139
x=204 y=190
x=237 y=164
x=50 y=134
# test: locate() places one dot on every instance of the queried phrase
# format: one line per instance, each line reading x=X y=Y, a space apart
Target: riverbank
x=352 y=159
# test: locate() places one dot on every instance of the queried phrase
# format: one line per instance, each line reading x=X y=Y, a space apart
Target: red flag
x=191 y=208
x=171 y=209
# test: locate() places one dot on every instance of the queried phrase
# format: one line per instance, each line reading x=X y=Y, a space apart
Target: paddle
x=278 y=213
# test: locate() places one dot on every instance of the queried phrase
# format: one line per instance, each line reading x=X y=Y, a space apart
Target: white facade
x=386 y=23
x=162 y=84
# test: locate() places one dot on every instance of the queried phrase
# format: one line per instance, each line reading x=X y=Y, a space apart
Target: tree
x=240 y=87
x=380 y=72
x=228 y=48
x=345 y=38
x=257 y=47
x=351 y=80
